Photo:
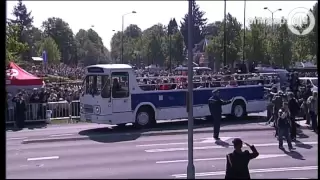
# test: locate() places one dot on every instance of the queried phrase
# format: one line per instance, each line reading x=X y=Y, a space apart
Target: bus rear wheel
x=144 y=118
x=239 y=110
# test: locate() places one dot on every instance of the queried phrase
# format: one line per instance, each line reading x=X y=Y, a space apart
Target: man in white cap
x=215 y=107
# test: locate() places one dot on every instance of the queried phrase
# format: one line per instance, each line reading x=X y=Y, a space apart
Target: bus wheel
x=144 y=117
x=239 y=110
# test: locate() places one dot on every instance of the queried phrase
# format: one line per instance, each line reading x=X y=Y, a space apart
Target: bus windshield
x=97 y=85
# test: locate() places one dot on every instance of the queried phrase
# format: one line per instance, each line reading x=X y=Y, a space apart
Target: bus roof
x=111 y=66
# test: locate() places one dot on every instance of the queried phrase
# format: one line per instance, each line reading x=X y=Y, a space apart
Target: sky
x=105 y=16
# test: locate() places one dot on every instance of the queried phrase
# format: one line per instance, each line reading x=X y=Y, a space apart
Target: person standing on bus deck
x=215 y=107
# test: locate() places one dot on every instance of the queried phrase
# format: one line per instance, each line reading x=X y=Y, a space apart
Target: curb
x=47 y=140
x=146 y=134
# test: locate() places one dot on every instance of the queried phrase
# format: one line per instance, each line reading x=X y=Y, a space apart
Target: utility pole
x=122 y=34
x=190 y=168
x=244 y=33
x=225 y=35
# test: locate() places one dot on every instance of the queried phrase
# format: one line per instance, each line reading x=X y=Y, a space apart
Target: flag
x=44 y=57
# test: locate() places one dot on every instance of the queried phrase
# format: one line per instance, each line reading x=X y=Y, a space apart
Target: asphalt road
x=41 y=130
x=131 y=157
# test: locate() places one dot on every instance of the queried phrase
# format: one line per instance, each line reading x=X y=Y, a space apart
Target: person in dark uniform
x=215 y=107
x=272 y=92
x=284 y=125
x=294 y=110
x=43 y=98
x=277 y=101
x=238 y=161
x=20 y=109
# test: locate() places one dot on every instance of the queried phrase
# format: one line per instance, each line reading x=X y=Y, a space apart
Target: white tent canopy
x=37 y=59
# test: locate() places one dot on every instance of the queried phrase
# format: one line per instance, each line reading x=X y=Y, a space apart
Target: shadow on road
x=302 y=145
x=110 y=139
x=294 y=154
x=133 y=133
x=222 y=143
x=28 y=125
x=301 y=135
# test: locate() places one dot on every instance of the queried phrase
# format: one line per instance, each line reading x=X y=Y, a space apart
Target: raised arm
x=254 y=153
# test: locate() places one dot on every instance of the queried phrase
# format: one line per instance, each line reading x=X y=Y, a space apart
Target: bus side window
x=105 y=92
x=120 y=84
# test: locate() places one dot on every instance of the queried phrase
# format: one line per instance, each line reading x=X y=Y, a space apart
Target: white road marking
x=212 y=140
x=267 y=170
x=262 y=156
x=58 y=135
x=43 y=158
x=203 y=141
x=17 y=138
x=214 y=147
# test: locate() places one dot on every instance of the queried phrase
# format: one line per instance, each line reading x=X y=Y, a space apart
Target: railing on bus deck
x=251 y=75
x=205 y=84
x=61 y=110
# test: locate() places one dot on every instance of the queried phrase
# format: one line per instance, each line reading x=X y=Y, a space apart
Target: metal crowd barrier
x=61 y=110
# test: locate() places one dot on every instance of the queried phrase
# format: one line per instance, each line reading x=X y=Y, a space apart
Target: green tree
x=214 y=51
x=234 y=39
x=14 y=48
x=200 y=22
x=213 y=29
x=177 y=48
x=90 y=48
x=255 y=47
x=153 y=39
x=50 y=46
x=23 y=20
x=131 y=42
x=62 y=34
x=281 y=46
x=313 y=36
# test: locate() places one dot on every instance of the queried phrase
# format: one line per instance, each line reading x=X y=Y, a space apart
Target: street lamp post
x=224 y=34
x=122 y=34
x=272 y=12
x=244 y=33
x=190 y=167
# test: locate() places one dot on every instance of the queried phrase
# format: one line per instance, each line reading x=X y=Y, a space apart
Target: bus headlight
x=97 y=109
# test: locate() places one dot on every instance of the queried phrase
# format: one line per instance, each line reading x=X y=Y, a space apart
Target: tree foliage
x=161 y=44
x=14 y=48
x=51 y=48
x=57 y=39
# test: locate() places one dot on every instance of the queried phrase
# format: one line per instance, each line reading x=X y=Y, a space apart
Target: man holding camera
x=284 y=125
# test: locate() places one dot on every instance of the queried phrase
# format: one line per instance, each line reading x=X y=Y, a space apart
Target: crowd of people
x=148 y=80
x=285 y=106
x=63 y=70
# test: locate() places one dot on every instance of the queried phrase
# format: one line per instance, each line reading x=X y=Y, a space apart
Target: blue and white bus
x=113 y=96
